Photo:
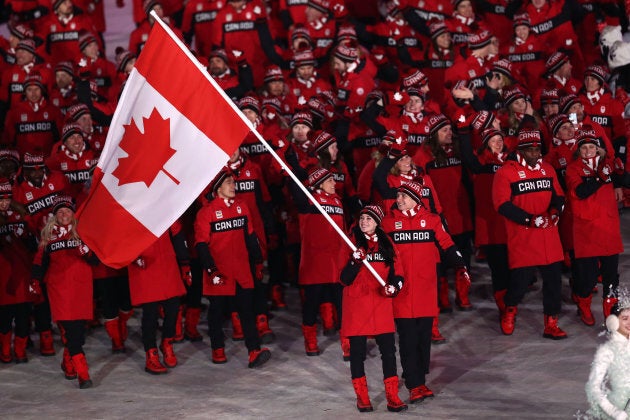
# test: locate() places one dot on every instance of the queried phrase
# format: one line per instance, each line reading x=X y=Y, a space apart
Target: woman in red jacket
x=156 y=279
x=15 y=270
x=595 y=224
x=61 y=263
x=368 y=306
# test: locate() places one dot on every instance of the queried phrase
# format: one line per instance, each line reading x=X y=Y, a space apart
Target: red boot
x=19 y=349
x=419 y=393
x=499 y=295
x=462 y=288
x=218 y=356
x=608 y=304
x=508 y=320
x=264 y=332
x=123 y=317
x=113 y=330
x=363 y=398
x=257 y=358
x=552 y=330
x=190 y=324
x=153 y=365
x=170 y=360
x=237 y=328
x=81 y=367
x=46 y=347
x=436 y=337
x=67 y=367
x=443 y=301
x=326 y=312
x=5 y=347
x=394 y=403
x=584 y=309
x=277 y=298
x=310 y=340
x=179 y=327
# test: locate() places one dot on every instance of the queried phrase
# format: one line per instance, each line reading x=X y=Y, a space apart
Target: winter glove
x=186 y=275
x=84 y=250
x=541 y=221
x=140 y=262
x=618 y=166
x=259 y=271
x=389 y=291
x=216 y=277
x=238 y=57
x=359 y=255
x=35 y=290
x=554 y=215
x=604 y=170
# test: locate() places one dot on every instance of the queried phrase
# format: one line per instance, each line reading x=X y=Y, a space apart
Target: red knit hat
x=414 y=81
x=482 y=120
x=6 y=191
x=503 y=66
x=85 y=39
x=303 y=58
x=33 y=79
x=122 y=58
x=567 y=101
x=346 y=32
x=413 y=189
x=488 y=133
x=555 y=61
x=300 y=31
x=27 y=44
x=322 y=140
x=374 y=211
x=479 y=40
x=437 y=28
x=521 y=19
x=346 y=53
x=19 y=30
x=273 y=73
x=10 y=154
x=512 y=94
x=598 y=72
x=436 y=122
x=317 y=176
x=65 y=66
x=529 y=138
x=76 y=111
x=33 y=160
x=302 y=117
x=321 y=5
x=587 y=134
x=249 y=102
x=61 y=201
x=71 y=129
x=550 y=96
x=216 y=183
x=556 y=121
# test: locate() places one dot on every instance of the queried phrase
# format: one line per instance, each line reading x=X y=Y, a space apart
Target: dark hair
x=439 y=155
x=325 y=160
x=385 y=246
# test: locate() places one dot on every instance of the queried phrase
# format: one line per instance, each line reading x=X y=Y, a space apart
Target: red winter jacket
x=15 y=259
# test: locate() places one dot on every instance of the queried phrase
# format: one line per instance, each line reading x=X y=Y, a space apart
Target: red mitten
x=140 y=262
x=216 y=277
x=604 y=170
x=186 y=274
x=554 y=215
x=35 y=291
x=541 y=221
x=359 y=255
x=389 y=291
x=83 y=250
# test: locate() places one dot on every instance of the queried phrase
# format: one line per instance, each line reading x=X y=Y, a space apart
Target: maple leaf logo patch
x=148 y=152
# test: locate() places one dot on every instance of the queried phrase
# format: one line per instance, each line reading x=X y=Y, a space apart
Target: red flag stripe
x=195 y=106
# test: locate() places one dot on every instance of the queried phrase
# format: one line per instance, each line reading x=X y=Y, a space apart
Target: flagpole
x=267 y=146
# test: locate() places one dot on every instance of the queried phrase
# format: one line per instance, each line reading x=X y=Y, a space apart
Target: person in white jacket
x=608 y=386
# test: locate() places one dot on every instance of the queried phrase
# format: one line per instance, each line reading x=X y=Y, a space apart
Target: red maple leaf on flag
x=148 y=152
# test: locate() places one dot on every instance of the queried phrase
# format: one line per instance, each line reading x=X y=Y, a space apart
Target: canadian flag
x=172 y=132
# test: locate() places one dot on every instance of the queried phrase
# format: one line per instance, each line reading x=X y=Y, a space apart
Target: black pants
x=589 y=268
x=19 y=314
x=315 y=295
x=114 y=292
x=358 y=350
x=414 y=339
x=521 y=278
x=243 y=302
x=150 y=314
x=463 y=241
x=261 y=291
x=73 y=333
x=41 y=312
x=497 y=258
x=193 y=293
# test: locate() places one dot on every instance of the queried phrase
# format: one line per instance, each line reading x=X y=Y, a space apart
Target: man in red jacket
x=527 y=193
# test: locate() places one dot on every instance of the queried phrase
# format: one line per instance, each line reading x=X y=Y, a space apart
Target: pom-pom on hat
x=521 y=19
x=33 y=160
x=71 y=129
x=317 y=176
x=436 y=122
x=586 y=134
x=550 y=96
x=346 y=53
x=304 y=58
x=60 y=201
x=302 y=117
x=512 y=94
x=374 y=211
x=322 y=140
x=6 y=190
x=567 y=101
x=413 y=190
x=529 y=138
x=321 y=5
x=479 y=40
x=85 y=39
x=273 y=73
x=598 y=72
x=249 y=102
x=555 y=61
x=76 y=111
x=556 y=121
x=123 y=57
x=488 y=133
